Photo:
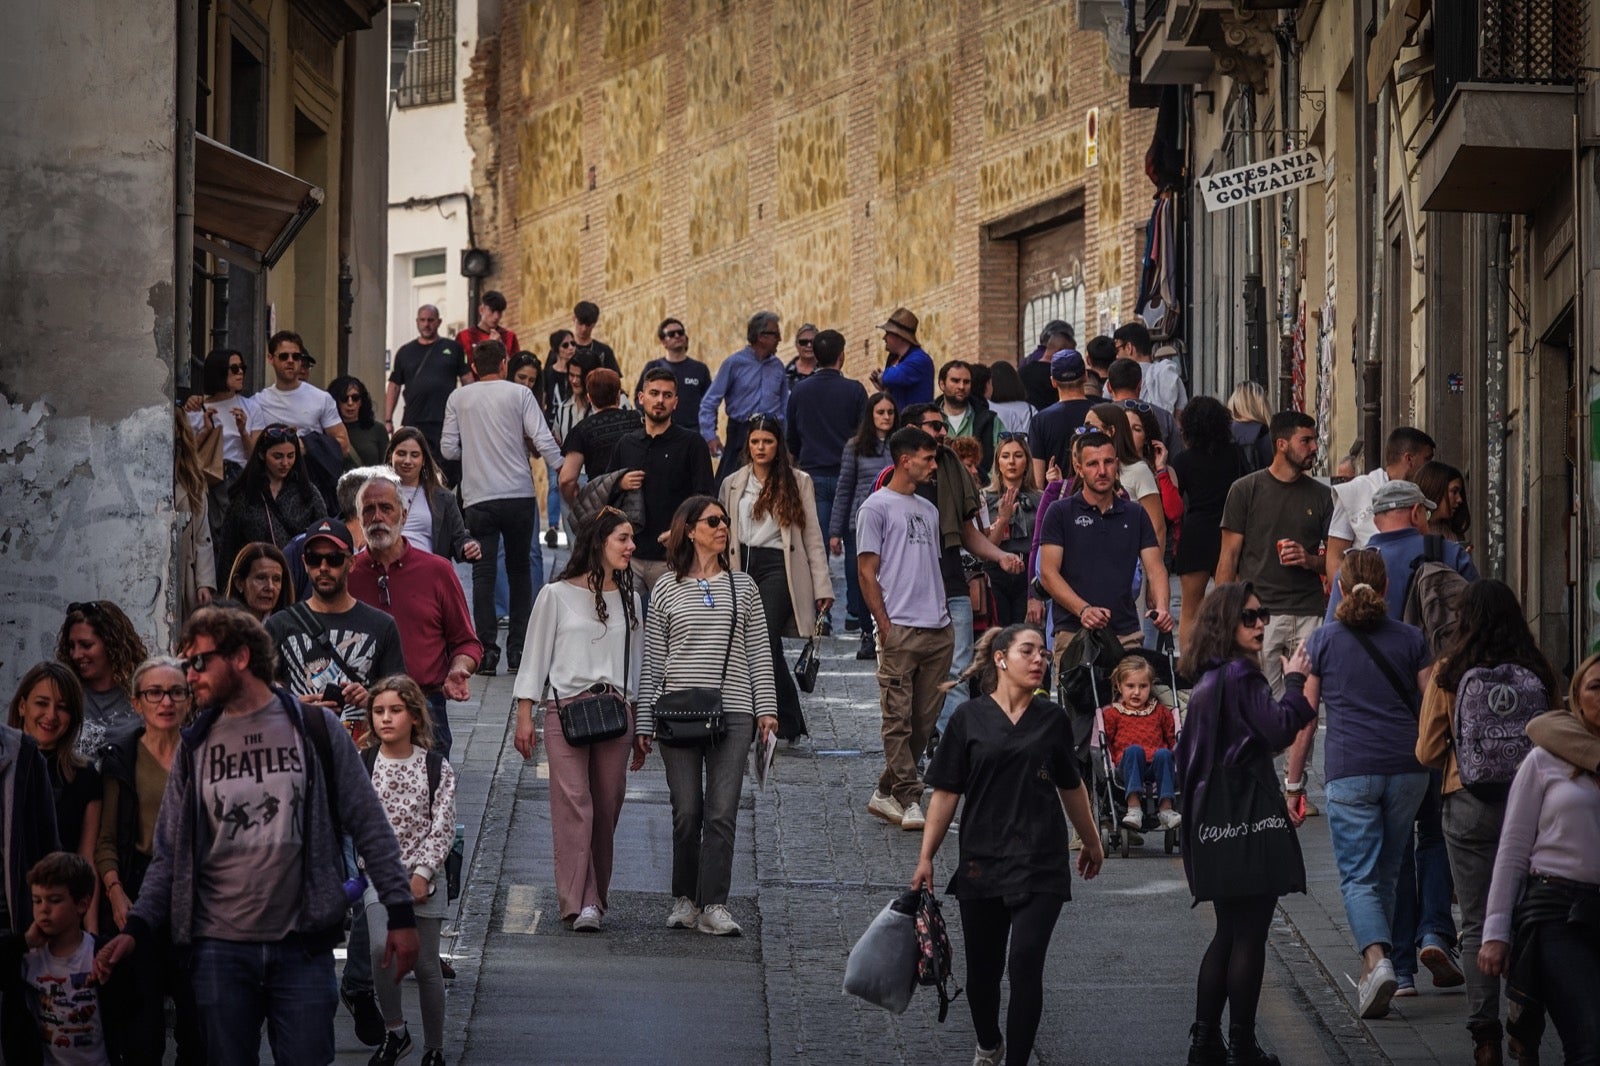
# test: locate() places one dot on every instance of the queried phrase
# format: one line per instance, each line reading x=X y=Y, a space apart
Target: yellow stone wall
x=827 y=159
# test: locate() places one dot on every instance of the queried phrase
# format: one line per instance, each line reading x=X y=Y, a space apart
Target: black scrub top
x=1014 y=834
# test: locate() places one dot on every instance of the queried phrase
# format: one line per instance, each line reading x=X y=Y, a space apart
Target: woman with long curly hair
x=777 y=539
x=260 y=581
x=274 y=500
x=433 y=517
x=1369 y=671
x=584 y=638
x=101 y=646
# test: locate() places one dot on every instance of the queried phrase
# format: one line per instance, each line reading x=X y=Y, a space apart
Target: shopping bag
x=883 y=965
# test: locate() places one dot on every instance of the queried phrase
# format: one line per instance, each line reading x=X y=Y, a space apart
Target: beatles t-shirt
x=68 y=1012
x=252 y=783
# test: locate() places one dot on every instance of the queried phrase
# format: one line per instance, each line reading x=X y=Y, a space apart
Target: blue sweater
x=910 y=380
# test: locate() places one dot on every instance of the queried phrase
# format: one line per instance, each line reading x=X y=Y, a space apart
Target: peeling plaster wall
x=86 y=318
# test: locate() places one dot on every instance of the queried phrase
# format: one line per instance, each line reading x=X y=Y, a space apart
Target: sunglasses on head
x=92 y=607
x=278 y=431
x=1012 y=435
x=1081 y=430
x=1252 y=615
x=1136 y=405
x=713 y=521
x=316 y=559
x=759 y=421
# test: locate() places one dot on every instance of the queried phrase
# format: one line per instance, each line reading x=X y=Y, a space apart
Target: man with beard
x=428 y=370
x=248 y=870
x=421 y=592
x=666 y=463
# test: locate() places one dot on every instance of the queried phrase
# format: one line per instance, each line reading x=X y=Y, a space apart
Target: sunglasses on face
x=299 y=357
x=936 y=426
x=236 y=368
x=1251 y=616
x=177 y=694
x=673 y=333
x=712 y=521
x=806 y=343
x=354 y=397
x=197 y=662
x=769 y=333
x=569 y=344
x=316 y=559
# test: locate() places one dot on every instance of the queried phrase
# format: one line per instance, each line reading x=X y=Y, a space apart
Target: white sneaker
x=993 y=1057
x=913 y=819
x=1134 y=819
x=716 y=920
x=886 y=807
x=1169 y=819
x=683 y=914
x=588 y=920
x=1376 y=990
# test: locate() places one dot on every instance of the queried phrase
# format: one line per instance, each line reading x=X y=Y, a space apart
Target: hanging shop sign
x=1230 y=188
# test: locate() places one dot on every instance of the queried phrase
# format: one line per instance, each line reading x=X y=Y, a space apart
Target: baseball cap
x=1396 y=495
x=330 y=529
x=1066 y=366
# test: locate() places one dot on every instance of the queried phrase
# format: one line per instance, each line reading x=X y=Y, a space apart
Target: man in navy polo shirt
x=1091 y=543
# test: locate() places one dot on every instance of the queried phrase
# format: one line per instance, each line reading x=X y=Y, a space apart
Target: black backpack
x=933 y=951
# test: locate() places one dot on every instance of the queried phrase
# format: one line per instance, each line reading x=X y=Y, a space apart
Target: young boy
x=57 y=969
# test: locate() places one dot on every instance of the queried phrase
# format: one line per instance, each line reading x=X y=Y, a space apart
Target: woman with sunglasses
x=705 y=629
x=433 y=517
x=556 y=387
x=48 y=706
x=1013 y=505
x=584 y=638
x=1234 y=720
x=776 y=539
x=860 y=462
x=223 y=409
x=136 y=761
x=102 y=648
x=1369 y=672
x=274 y=499
x=259 y=579
x=368 y=438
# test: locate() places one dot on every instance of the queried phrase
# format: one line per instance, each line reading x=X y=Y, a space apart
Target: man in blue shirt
x=908 y=377
x=751 y=381
x=1400 y=513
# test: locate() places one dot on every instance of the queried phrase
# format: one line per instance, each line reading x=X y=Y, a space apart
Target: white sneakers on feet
x=913 y=819
x=588 y=920
x=886 y=807
x=716 y=920
x=992 y=1057
x=1134 y=819
x=683 y=914
x=1169 y=819
x=1376 y=990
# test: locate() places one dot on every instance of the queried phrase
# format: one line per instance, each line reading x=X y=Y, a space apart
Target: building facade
x=1433 y=273
x=827 y=159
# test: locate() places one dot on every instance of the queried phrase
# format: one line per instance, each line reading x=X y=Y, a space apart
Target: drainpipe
x=1255 y=297
x=1289 y=215
x=1372 y=369
x=1363 y=207
x=1498 y=311
x=183 y=196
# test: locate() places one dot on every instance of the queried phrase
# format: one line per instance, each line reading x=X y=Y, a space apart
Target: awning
x=257 y=209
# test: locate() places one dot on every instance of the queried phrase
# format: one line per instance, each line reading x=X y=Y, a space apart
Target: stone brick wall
x=828 y=159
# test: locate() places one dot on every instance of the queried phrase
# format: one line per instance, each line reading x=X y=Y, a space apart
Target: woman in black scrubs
x=1010 y=754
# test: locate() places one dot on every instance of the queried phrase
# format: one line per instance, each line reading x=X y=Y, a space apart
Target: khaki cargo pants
x=912 y=664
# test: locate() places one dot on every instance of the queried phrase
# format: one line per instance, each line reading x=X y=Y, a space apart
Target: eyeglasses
x=383 y=589
x=278 y=431
x=705 y=587
x=934 y=426
x=712 y=521
x=299 y=357
x=177 y=694
x=316 y=559
x=236 y=368
x=197 y=662
x=1137 y=405
x=1250 y=616
x=92 y=607
x=673 y=333
x=803 y=343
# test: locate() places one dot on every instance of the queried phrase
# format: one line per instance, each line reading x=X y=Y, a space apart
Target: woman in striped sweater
x=702 y=615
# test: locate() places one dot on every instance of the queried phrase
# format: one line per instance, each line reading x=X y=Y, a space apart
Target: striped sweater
x=684 y=642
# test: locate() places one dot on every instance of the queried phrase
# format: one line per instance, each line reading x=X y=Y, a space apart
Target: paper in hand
x=762 y=756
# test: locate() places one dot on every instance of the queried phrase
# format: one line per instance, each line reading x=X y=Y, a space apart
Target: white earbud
x=1003 y=666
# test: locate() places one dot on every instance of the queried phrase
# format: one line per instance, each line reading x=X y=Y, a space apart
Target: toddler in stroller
x=1137 y=734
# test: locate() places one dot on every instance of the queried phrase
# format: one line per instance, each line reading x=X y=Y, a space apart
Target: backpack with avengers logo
x=1493 y=707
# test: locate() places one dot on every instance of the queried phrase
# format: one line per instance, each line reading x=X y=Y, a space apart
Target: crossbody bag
x=594 y=716
x=1407 y=694
x=687 y=717
x=321 y=638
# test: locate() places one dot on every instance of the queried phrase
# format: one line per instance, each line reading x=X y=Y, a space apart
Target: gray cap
x=1398 y=495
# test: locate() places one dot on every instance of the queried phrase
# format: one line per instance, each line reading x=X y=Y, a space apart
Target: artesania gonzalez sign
x=1230 y=188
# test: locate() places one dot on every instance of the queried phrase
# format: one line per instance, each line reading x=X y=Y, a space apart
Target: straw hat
x=902 y=324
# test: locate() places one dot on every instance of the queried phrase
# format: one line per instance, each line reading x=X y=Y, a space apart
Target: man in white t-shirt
x=1405 y=452
x=490 y=425
x=291 y=401
x=1162 y=382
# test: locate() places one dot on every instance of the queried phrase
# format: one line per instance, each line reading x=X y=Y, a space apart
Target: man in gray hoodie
x=248 y=870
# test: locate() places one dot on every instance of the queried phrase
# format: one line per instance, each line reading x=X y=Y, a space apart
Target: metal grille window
x=430 y=76
x=1538 y=43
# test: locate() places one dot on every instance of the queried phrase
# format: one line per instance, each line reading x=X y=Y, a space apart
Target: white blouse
x=418 y=530
x=571 y=649
x=756 y=532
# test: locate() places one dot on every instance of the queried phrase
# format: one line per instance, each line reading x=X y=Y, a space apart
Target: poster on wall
x=1253 y=181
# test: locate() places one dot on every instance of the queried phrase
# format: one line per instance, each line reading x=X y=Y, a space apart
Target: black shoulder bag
x=600 y=713
x=810 y=662
x=687 y=717
x=1408 y=695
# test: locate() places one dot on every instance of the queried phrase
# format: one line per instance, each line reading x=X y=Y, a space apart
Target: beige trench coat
x=805 y=561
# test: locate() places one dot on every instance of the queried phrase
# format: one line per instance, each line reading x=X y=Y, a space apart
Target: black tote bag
x=1242 y=843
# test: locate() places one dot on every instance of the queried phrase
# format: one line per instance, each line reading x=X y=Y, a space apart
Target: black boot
x=1206 y=1047
x=1244 y=1051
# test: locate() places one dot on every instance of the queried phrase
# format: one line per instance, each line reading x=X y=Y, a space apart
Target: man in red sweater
x=491 y=309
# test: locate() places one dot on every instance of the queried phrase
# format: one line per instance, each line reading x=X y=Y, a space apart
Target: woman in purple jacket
x=1233 y=716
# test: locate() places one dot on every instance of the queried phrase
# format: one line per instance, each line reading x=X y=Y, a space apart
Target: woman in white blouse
x=583 y=638
x=777 y=540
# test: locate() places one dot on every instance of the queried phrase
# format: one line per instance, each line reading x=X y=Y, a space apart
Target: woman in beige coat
x=776 y=539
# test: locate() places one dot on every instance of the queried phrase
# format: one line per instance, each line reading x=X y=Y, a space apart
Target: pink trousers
x=586 y=789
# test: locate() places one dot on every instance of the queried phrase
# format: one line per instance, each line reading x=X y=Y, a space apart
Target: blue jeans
x=1370 y=818
x=855 y=607
x=1422 y=899
x=1134 y=768
x=960 y=608
x=824 y=488
x=552 y=500
x=237 y=986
